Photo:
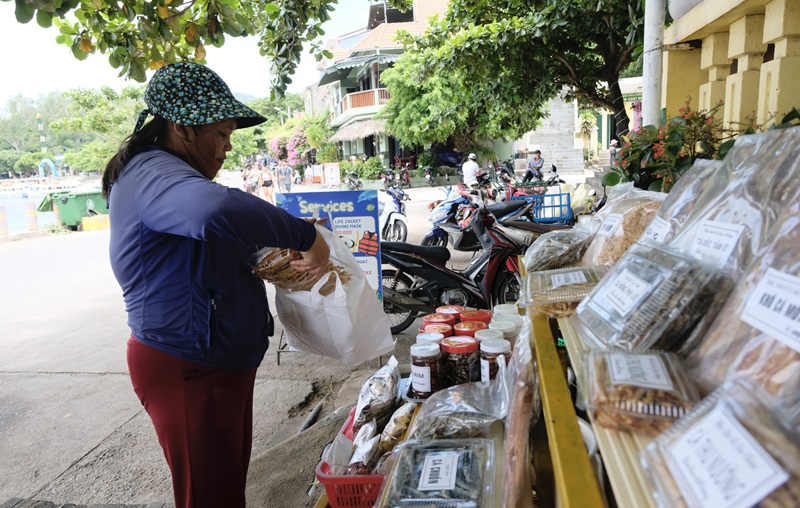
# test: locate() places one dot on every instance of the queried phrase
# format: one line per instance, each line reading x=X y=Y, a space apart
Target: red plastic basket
x=349 y=491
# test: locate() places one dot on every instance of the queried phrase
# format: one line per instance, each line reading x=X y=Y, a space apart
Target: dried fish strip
x=275 y=267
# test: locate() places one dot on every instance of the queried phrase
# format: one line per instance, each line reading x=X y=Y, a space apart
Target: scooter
x=429 y=176
x=392 y=215
x=553 y=178
x=416 y=279
x=352 y=181
x=387 y=177
x=402 y=177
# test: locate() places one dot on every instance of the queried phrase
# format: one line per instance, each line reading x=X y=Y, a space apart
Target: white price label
x=610 y=225
x=774 y=307
x=439 y=471
x=657 y=230
x=626 y=290
x=644 y=370
x=568 y=278
x=716 y=462
x=421 y=378
x=716 y=241
x=485 y=374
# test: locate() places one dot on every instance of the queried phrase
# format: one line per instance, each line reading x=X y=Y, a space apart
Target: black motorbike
x=387 y=177
x=352 y=181
x=429 y=178
x=552 y=177
x=416 y=279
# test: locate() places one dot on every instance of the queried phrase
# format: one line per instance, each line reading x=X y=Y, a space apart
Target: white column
x=653 y=42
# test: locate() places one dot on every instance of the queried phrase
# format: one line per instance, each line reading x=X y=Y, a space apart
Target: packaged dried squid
x=379 y=396
x=458 y=473
x=732 y=450
x=643 y=393
x=556 y=293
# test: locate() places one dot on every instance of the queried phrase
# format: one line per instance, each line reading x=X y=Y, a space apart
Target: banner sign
x=331 y=172
x=354 y=217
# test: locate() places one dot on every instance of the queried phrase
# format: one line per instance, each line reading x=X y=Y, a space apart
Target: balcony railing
x=367 y=98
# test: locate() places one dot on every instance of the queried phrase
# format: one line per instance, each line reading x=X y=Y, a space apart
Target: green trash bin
x=72 y=206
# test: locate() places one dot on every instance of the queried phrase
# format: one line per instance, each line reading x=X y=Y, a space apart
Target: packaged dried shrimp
x=556 y=293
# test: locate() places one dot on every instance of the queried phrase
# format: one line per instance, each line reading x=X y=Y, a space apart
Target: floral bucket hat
x=188 y=93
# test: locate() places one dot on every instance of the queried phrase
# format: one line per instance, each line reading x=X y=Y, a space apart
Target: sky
x=33 y=64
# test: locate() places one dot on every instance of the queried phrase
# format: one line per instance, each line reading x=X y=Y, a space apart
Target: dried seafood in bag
x=274 y=266
x=397 y=425
x=365 y=457
x=557 y=293
x=642 y=393
x=379 y=395
x=565 y=247
x=731 y=450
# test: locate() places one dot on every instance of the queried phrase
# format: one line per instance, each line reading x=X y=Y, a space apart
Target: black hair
x=149 y=134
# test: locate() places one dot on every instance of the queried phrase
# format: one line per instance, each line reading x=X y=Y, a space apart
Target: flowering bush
x=296 y=148
x=655 y=158
x=277 y=148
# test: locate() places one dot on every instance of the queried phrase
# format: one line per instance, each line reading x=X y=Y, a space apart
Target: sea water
x=16 y=206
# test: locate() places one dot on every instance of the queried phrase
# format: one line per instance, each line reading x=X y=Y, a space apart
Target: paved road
x=71 y=428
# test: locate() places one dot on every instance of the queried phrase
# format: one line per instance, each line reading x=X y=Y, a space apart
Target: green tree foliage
x=276 y=110
x=29 y=162
x=519 y=53
x=8 y=158
x=18 y=130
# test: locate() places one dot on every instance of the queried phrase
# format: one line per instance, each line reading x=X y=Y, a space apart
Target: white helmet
x=472 y=156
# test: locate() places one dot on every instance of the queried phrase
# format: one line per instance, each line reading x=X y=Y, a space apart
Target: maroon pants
x=204 y=422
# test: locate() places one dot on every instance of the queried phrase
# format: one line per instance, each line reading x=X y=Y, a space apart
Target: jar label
x=421 y=379
x=485 y=371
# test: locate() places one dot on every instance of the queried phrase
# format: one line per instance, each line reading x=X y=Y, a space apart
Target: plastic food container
x=448 y=319
x=556 y=293
x=461 y=360
x=442 y=328
x=488 y=334
x=455 y=310
x=476 y=315
x=444 y=473
x=426 y=369
x=642 y=393
x=431 y=337
x=513 y=318
x=468 y=328
x=506 y=308
x=507 y=328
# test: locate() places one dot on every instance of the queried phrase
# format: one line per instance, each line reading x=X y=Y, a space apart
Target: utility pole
x=652 y=63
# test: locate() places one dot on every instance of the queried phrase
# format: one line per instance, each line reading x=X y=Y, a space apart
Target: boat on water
x=28 y=187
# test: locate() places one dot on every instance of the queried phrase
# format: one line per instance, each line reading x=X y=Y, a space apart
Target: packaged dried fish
x=563 y=247
x=274 y=266
x=442 y=474
x=642 y=393
x=379 y=396
x=397 y=426
x=652 y=299
x=365 y=433
x=365 y=457
x=556 y=293
x=731 y=450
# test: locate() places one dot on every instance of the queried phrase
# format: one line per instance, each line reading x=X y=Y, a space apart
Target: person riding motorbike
x=534 y=170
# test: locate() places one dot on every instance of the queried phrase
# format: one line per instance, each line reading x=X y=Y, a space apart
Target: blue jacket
x=179 y=249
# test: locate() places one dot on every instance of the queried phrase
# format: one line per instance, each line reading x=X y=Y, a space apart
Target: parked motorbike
x=416 y=279
x=553 y=178
x=429 y=176
x=352 y=181
x=402 y=178
x=392 y=215
x=387 y=178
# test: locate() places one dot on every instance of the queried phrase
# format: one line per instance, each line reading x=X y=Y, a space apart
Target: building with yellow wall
x=745 y=53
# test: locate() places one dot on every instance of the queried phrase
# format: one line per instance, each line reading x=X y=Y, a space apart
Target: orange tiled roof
x=382 y=36
x=424 y=9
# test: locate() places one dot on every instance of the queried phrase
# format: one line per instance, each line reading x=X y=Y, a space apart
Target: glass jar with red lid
x=454 y=310
x=461 y=360
x=468 y=328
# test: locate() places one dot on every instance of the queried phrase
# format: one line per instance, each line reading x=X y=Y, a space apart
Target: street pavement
x=71 y=428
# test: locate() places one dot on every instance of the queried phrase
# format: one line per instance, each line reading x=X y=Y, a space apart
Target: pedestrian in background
x=285 y=176
x=534 y=169
x=471 y=171
x=267 y=183
x=179 y=248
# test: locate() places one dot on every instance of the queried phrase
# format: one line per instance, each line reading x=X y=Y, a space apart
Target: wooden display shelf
x=575 y=479
x=620 y=450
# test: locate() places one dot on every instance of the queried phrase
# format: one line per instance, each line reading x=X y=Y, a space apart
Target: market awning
x=341 y=70
x=359 y=130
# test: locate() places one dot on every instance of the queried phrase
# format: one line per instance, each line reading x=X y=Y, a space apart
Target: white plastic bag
x=349 y=324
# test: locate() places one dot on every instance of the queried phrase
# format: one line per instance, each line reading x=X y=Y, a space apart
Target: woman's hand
x=315 y=260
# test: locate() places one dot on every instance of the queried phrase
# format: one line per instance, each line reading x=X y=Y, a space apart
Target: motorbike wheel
x=387 y=184
x=506 y=287
x=400 y=319
x=434 y=241
x=359 y=186
x=432 y=182
x=400 y=232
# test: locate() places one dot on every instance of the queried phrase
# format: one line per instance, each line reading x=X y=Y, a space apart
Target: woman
x=200 y=322
x=267 y=184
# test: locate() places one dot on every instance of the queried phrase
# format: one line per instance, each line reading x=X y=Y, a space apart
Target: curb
x=25 y=236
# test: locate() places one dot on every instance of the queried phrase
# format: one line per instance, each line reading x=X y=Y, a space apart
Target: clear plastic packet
x=683 y=199
x=384 y=464
x=398 y=424
x=654 y=298
x=522 y=414
x=736 y=217
x=754 y=334
x=731 y=450
x=338 y=454
x=563 y=247
x=446 y=473
x=465 y=410
x=379 y=395
x=365 y=433
x=365 y=457
x=643 y=393
x=624 y=221
x=556 y=293
x=274 y=266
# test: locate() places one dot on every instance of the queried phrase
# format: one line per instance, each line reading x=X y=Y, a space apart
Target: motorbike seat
x=437 y=253
x=535 y=227
x=506 y=207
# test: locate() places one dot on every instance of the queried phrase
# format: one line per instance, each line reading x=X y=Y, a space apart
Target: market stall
x=679 y=316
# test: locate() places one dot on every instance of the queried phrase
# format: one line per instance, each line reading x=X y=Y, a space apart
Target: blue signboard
x=354 y=219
